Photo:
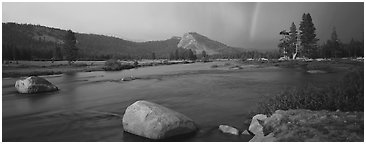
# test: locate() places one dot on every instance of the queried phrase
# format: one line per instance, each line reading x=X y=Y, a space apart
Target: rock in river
x=130 y=78
x=154 y=121
x=228 y=129
x=34 y=84
x=316 y=71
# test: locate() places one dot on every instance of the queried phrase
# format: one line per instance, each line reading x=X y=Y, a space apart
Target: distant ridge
x=41 y=41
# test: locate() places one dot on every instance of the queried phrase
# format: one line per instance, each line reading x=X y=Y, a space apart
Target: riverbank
x=38 y=68
x=331 y=112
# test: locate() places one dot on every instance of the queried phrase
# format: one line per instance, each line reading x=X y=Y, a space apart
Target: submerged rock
x=154 y=121
x=228 y=129
x=130 y=78
x=236 y=67
x=316 y=71
x=309 y=126
x=34 y=84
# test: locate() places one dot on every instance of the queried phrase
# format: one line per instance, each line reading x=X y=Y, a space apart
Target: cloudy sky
x=247 y=25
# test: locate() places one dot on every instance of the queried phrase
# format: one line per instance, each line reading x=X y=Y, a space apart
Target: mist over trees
x=335 y=48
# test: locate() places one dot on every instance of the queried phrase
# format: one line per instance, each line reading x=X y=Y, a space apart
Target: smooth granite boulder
x=34 y=84
x=154 y=121
x=255 y=126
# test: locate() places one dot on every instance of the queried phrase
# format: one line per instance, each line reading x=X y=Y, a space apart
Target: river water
x=90 y=105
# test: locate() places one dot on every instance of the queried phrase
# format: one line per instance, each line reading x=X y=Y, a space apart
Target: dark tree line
x=334 y=48
x=180 y=54
x=71 y=51
x=304 y=43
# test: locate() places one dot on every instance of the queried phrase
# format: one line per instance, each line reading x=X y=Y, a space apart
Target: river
x=89 y=105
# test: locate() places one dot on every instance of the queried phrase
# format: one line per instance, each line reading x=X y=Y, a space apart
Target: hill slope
x=26 y=41
x=40 y=42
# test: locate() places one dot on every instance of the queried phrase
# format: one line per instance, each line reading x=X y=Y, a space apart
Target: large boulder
x=34 y=84
x=154 y=121
x=256 y=126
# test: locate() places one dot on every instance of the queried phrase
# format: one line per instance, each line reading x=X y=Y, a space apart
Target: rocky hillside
x=199 y=43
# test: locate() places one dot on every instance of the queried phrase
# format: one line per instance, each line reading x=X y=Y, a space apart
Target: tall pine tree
x=335 y=43
x=71 y=51
x=308 y=36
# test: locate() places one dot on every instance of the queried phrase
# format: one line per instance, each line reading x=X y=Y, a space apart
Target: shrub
x=345 y=95
x=114 y=65
x=214 y=66
x=227 y=64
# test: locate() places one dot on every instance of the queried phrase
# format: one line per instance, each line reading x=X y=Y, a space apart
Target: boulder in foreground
x=34 y=84
x=154 y=121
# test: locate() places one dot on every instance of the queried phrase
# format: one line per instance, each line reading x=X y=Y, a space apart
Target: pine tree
x=71 y=50
x=335 y=43
x=57 y=54
x=204 y=53
x=171 y=56
x=284 y=44
x=293 y=40
x=191 y=55
x=176 y=56
x=308 y=36
x=153 y=55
